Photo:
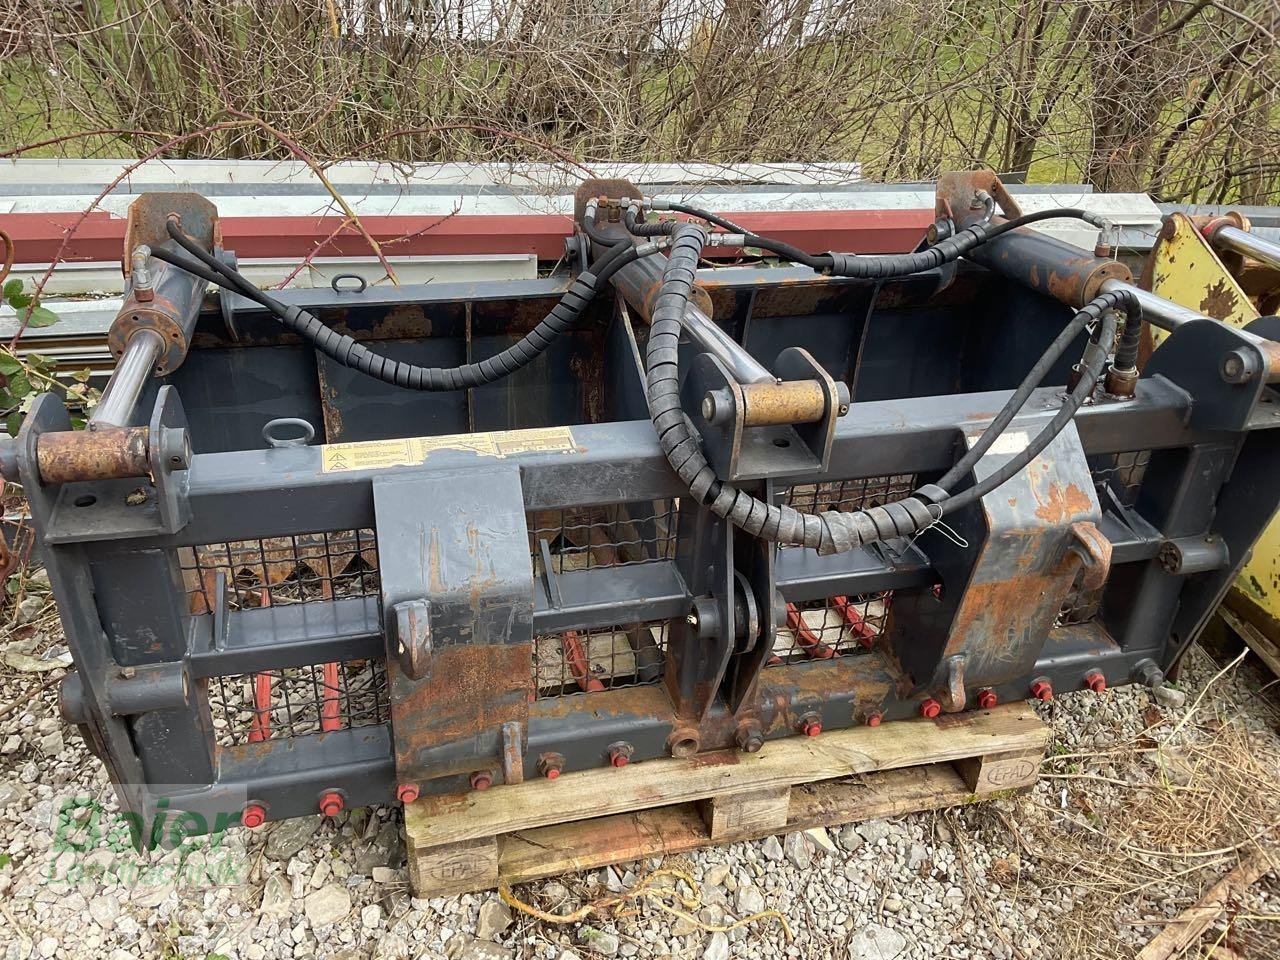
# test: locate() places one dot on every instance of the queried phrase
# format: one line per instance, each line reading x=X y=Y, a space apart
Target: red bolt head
x=253 y=815
x=986 y=699
x=331 y=804
x=550 y=765
x=407 y=792
x=481 y=780
x=874 y=717
x=930 y=708
x=1042 y=690
x=811 y=727
x=618 y=758
x=1095 y=681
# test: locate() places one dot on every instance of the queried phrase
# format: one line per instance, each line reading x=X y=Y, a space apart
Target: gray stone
x=873 y=831
x=1170 y=697
x=277 y=897
x=105 y=910
x=821 y=839
x=327 y=905
x=612 y=882
x=772 y=849
x=717 y=948
x=875 y=942
x=463 y=946
x=715 y=876
x=289 y=836
x=600 y=941
x=750 y=900
x=850 y=838
x=797 y=850
x=917 y=855
x=495 y=917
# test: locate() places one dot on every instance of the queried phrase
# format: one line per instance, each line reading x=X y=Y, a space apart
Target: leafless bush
x=1178 y=97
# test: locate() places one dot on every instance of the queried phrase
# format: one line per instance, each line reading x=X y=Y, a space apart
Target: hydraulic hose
x=867 y=266
x=1088 y=314
x=351 y=353
x=830 y=531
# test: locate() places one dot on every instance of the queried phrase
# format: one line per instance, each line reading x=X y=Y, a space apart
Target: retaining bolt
x=811 y=726
x=550 y=765
x=407 y=792
x=1042 y=690
x=481 y=780
x=619 y=754
x=750 y=739
x=874 y=717
x=1095 y=681
x=987 y=698
x=930 y=708
x=253 y=815
x=331 y=803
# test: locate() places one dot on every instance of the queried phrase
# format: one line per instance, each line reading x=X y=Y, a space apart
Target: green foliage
x=22 y=379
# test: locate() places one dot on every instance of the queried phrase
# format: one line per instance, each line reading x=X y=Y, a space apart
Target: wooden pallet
x=466 y=842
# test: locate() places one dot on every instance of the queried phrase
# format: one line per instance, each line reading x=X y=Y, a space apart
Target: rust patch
x=1219 y=300
x=94 y=454
x=473 y=690
x=1063 y=504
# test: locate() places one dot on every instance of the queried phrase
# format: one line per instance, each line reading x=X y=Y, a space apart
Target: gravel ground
x=1144 y=804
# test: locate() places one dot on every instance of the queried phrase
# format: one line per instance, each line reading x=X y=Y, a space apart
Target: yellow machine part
x=1183 y=268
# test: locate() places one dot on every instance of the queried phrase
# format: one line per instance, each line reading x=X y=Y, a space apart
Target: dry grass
x=1131 y=835
x=1180 y=99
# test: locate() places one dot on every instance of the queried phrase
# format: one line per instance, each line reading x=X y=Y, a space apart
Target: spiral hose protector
x=828 y=532
x=351 y=353
x=868 y=266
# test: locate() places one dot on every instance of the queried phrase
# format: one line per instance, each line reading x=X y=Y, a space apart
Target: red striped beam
x=100 y=236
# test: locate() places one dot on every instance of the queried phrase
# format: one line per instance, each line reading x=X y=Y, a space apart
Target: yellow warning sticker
x=378 y=454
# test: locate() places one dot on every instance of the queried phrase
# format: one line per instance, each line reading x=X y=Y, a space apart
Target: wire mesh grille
x=297 y=701
x=608 y=658
x=613 y=535
x=1080 y=606
x=835 y=627
x=849 y=495
x=282 y=570
x=1124 y=473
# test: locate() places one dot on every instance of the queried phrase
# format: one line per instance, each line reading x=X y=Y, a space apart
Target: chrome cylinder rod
x=1227 y=237
x=136 y=366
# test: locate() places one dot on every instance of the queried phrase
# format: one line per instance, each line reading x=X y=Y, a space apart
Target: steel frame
x=144 y=659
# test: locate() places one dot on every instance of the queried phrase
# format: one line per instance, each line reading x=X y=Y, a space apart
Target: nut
x=930 y=708
x=1042 y=690
x=481 y=780
x=331 y=803
x=1095 y=681
x=253 y=815
x=619 y=754
x=550 y=765
x=987 y=698
x=874 y=717
x=811 y=725
x=749 y=738
x=407 y=792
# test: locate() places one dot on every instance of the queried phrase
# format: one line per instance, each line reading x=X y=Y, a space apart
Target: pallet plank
x=436 y=820
x=1001 y=771
x=734 y=814
x=668 y=831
